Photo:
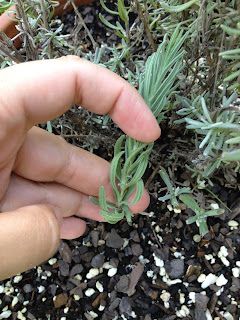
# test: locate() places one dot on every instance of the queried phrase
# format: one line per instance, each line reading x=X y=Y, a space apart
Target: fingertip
x=72 y=228
x=28 y=236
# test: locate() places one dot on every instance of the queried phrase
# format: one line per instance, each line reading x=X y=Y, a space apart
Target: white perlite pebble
x=89 y=292
x=20 y=316
x=214 y=206
x=5 y=314
x=183 y=312
x=17 y=279
x=14 y=301
x=227 y=316
x=107 y=265
x=112 y=272
x=93 y=272
x=222 y=254
x=52 y=261
x=236 y=272
x=93 y=314
x=197 y=238
x=192 y=296
x=208 y=315
x=165 y=296
x=158 y=262
x=76 y=297
x=40 y=289
x=1 y=289
x=223 y=251
x=101 y=308
x=238 y=264
x=65 y=310
x=201 y=278
x=181 y=298
x=150 y=274
x=210 y=279
x=99 y=286
x=221 y=281
x=233 y=223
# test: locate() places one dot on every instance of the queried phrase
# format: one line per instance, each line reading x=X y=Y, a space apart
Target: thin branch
x=143 y=18
x=83 y=24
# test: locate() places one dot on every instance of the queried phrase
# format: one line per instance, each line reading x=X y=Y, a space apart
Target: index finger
x=35 y=92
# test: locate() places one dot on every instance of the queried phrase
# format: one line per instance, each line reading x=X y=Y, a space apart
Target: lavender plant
x=201 y=215
x=217 y=133
x=130 y=160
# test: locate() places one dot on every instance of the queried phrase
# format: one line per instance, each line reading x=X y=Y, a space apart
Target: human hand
x=45 y=182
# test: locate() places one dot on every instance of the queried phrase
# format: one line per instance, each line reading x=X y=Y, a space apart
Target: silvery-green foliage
x=130 y=161
x=173 y=192
x=201 y=214
x=217 y=132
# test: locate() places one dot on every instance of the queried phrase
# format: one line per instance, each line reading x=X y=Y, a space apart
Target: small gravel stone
x=65 y=252
x=63 y=268
x=123 y=284
x=176 y=268
x=77 y=269
x=27 y=288
x=125 y=306
x=97 y=261
x=114 y=240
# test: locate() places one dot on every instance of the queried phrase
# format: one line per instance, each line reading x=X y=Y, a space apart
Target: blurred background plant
x=199 y=151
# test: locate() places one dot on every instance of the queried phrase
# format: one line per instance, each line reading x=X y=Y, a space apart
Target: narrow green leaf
x=107 y=9
x=112 y=217
x=231 y=155
x=178 y=8
x=123 y=14
x=230 y=31
x=139 y=192
x=234 y=140
x=107 y=23
x=203 y=228
x=102 y=198
x=190 y=202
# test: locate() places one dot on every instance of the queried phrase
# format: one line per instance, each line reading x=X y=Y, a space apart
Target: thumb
x=28 y=236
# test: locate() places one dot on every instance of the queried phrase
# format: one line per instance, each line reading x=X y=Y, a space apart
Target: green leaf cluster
x=130 y=161
x=4 y=5
x=201 y=214
x=217 y=131
x=173 y=193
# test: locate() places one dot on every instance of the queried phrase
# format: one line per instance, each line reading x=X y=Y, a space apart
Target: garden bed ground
x=158 y=268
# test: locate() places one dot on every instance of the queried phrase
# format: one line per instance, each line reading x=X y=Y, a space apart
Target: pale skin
x=45 y=183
